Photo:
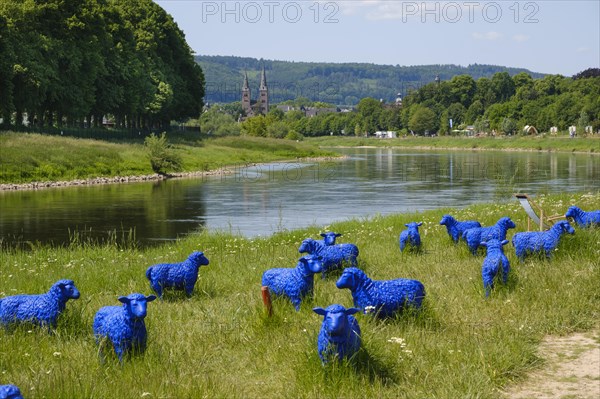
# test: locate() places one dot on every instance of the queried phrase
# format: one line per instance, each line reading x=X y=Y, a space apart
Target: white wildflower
x=397 y=340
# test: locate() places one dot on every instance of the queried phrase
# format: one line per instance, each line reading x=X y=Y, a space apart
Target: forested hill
x=341 y=84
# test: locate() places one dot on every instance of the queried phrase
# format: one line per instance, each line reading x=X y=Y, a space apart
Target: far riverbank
x=501 y=143
x=35 y=161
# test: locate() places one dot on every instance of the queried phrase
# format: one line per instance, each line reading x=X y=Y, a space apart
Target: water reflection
x=263 y=199
x=150 y=211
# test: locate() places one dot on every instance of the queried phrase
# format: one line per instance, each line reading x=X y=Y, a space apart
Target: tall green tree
x=422 y=121
x=369 y=111
x=68 y=61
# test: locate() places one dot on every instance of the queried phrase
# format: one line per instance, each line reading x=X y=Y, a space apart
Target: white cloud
x=487 y=35
x=520 y=38
x=389 y=11
x=423 y=11
x=356 y=6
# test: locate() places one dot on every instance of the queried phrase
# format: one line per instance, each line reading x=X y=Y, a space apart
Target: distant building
x=388 y=134
x=260 y=107
x=399 y=100
x=308 y=111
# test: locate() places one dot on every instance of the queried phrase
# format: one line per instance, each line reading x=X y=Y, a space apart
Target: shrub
x=294 y=135
x=162 y=157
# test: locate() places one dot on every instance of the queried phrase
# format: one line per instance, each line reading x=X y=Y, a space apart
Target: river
x=263 y=199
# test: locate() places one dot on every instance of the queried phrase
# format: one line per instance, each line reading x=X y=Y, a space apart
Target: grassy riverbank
x=220 y=344
x=33 y=157
x=520 y=143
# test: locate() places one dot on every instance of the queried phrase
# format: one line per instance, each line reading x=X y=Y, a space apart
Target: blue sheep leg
x=189 y=288
x=488 y=281
x=296 y=302
x=157 y=288
x=505 y=269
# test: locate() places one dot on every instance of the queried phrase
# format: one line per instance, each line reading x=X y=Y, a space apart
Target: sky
x=548 y=36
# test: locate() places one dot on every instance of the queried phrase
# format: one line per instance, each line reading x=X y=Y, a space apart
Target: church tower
x=246 y=104
x=263 y=100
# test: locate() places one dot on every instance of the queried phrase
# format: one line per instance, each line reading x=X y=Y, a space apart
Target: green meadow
x=221 y=344
x=34 y=157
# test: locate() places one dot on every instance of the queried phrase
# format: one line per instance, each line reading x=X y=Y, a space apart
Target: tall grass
x=220 y=343
x=34 y=157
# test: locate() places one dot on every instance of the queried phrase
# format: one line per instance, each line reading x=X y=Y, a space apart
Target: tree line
x=74 y=62
x=502 y=103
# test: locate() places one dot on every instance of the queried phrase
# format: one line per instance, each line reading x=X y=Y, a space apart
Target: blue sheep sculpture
x=583 y=218
x=455 y=228
x=42 y=310
x=410 y=237
x=384 y=298
x=179 y=276
x=329 y=238
x=339 y=337
x=532 y=242
x=334 y=256
x=475 y=236
x=494 y=260
x=10 y=392
x=294 y=283
x=123 y=326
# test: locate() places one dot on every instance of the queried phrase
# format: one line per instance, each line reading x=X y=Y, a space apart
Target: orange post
x=266 y=297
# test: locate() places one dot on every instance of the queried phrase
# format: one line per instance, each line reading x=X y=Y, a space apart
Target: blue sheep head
x=329 y=237
x=67 y=289
x=445 y=220
x=136 y=304
x=308 y=245
x=198 y=258
x=311 y=263
x=572 y=212
x=336 y=320
x=491 y=243
x=10 y=392
x=507 y=223
x=414 y=225
x=350 y=278
x=565 y=226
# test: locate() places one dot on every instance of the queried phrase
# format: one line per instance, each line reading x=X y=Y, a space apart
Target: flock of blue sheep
x=123 y=328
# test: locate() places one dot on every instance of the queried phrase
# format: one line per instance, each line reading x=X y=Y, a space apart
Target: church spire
x=263 y=80
x=246 y=86
x=246 y=102
x=263 y=100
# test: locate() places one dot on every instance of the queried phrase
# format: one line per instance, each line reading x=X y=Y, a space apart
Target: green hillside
x=341 y=84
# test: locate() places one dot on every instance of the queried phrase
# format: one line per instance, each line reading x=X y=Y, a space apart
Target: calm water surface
x=264 y=199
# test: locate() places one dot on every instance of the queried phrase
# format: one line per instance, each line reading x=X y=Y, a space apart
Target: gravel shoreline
x=228 y=170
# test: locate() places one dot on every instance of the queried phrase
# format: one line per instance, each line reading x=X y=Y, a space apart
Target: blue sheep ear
x=406 y=224
x=483 y=244
x=323 y=235
x=420 y=223
x=350 y=311
x=504 y=242
x=123 y=299
x=150 y=298
x=338 y=234
x=320 y=311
